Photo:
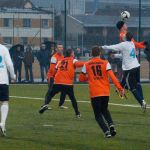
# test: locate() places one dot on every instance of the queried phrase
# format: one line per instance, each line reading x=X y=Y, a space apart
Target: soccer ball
x=125 y=15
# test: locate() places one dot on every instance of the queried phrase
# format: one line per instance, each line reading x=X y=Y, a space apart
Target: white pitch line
x=48 y=125
x=113 y=104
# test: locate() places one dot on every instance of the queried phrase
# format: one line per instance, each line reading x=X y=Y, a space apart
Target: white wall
x=25 y=32
x=26 y=15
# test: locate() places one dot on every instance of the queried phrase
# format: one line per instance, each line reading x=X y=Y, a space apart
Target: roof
x=14 y=4
x=43 y=3
x=108 y=21
x=19 y=6
x=145 y=2
x=115 y=5
x=22 y=10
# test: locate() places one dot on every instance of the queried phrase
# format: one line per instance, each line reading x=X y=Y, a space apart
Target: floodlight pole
x=139 y=30
x=65 y=25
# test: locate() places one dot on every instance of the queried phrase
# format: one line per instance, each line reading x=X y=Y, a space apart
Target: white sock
x=4 y=112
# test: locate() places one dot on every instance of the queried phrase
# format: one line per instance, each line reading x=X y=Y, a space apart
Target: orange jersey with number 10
x=98 y=72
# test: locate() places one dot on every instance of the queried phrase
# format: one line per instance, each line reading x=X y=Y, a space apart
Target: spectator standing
x=78 y=53
x=28 y=61
x=17 y=58
x=44 y=60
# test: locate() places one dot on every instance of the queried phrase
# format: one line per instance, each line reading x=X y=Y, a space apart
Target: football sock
x=107 y=117
x=139 y=88
x=101 y=123
x=138 y=96
x=4 y=112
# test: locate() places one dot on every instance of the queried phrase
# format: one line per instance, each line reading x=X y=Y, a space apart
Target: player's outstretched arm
x=79 y=64
x=116 y=47
x=115 y=80
x=140 y=45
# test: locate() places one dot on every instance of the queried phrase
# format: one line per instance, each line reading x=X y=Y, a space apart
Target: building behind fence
x=89 y=22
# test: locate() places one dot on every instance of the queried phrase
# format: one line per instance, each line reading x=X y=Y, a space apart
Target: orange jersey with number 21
x=66 y=71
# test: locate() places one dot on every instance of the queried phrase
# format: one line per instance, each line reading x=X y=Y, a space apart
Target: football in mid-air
x=125 y=15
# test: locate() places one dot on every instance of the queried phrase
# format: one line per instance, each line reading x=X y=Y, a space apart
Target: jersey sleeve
x=118 y=56
x=51 y=71
x=108 y=66
x=53 y=60
x=9 y=64
x=78 y=64
x=83 y=75
x=139 y=44
x=84 y=69
x=115 y=80
x=116 y=47
x=74 y=61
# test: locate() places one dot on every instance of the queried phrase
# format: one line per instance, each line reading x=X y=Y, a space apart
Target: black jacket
x=17 y=58
x=44 y=57
x=28 y=58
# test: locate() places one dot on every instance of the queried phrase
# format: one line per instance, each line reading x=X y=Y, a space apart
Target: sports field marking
x=48 y=125
x=113 y=104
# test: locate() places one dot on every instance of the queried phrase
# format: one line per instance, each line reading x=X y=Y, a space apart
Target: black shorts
x=66 y=89
x=131 y=78
x=4 y=92
x=99 y=104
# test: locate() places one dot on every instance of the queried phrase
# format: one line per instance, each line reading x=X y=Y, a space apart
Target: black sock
x=139 y=89
x=137 y=95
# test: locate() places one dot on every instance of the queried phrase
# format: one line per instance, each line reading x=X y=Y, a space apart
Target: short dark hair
x=95 y=51
x=129 y=36
x=120 y=24
x=59 y=43
x=69 y=52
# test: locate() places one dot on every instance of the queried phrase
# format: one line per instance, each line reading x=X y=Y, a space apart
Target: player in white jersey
x=130 y=67
x=6 y=66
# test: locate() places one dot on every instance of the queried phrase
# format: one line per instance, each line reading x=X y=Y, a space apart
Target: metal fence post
x=65 y=25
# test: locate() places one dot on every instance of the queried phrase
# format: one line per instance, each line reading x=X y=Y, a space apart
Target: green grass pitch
x=59 y=129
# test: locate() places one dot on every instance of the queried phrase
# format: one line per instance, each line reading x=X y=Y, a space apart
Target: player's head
x=59 y=48
x=69 y=52
x=121 y=25
x=129 y=36
x=96 y=51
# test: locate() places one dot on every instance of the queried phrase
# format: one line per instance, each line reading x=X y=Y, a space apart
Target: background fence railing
x=77 y=24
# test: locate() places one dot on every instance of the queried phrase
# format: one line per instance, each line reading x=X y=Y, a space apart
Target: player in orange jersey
x=97 y=72
x=123 y=29
x=55 y=59
x=63 y=81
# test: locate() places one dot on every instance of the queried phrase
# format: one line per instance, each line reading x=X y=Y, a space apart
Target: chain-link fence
x=78 y=24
